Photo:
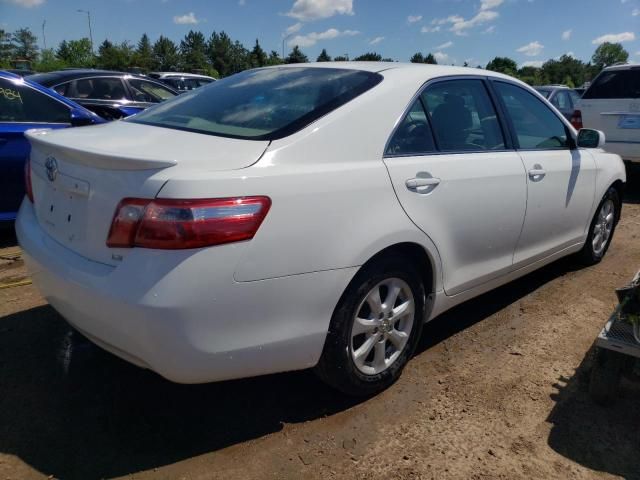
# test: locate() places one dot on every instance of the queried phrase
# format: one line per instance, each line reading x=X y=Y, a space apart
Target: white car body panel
x=264 y=305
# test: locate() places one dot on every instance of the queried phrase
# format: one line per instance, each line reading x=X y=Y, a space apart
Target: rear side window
x=413 y=135
x=562 y=101
x=463 y=116
x=535 y=124
x=99 y=89
x=20 y=103
x=144 y=91
x=261 y=104
x=615 y=84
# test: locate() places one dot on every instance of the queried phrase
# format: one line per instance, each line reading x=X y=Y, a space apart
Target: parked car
x=182 y=82
x=612 y=104
x=112 y=95
x=25 y=105
x=561 y=97
x=309 y=216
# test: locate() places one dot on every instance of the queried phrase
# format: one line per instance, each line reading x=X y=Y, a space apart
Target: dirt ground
x=497 y=390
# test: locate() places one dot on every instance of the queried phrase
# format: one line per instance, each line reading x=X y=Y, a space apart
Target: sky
x=455 y=31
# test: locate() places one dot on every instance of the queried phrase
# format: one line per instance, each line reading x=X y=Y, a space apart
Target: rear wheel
x=602 y=227
x=374 y=328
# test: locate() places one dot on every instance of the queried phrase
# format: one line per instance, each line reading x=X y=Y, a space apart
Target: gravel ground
x=497 y=389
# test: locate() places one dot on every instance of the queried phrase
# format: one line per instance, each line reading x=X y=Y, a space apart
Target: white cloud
x=312 y=38
x=489 y=29
x=482 y=17
x=242 y=3
x=26 y=3
x=635 y=12
x=186 y=19
x=490 y=4
x=293 y=29
x=414 y=18
x=566 y=35
x=309 y=10
x=533 y=63
x=376 y=40
x=615 y=38
x=444 y=45
x=430 y=29
x=532 y=49
x=441 y=57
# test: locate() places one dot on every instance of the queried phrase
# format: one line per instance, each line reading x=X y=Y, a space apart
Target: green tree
x=324 y=56
x=193 y=51
x=165 y=54
x=258 y=57
x=274 y=58
x=24 y=44
x=76 y=53
x=417 y=58
x=341 y=58
x=504 y=65
x=48 y=61
x=143 y=56
x=369 y=57
x=6 y=49
x=430 y=59
x=608 y=54
x=115 y=57
x=226 y=56
x=566 y=70
x=296 y=56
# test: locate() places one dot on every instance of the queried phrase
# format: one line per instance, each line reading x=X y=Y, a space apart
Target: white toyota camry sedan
x=308 y=216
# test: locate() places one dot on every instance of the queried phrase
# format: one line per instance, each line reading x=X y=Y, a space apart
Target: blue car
x=25 y=105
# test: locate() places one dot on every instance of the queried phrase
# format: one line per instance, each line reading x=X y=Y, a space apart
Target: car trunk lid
x=80 y=175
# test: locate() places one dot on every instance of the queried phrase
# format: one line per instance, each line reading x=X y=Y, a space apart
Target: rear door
x=612 y=104
x=459 y=181
x=21 y=108
x=560 y=179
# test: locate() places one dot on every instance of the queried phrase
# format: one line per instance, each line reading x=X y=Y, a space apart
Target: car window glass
x=561 y=100
x=144 y=91
x=20 y=103
x=535 y=124
x=100 y=89
x=575 y=96
x=63 y=89
x=615 y=84
x=463 y=116
x=413 y=135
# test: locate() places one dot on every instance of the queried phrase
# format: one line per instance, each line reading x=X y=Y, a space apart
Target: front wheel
x=602 y=227
x=374 y=329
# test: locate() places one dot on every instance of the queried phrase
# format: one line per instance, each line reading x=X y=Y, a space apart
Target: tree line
x=220 y=56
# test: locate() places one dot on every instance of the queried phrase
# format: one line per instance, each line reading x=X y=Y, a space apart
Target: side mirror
x=588 y=138
x=80 y=118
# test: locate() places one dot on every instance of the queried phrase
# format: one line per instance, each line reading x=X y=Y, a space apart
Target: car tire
x=594 y=250
x=364 y=357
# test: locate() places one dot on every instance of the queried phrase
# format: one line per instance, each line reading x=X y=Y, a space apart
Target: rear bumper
x=630 y=152
x=180 y=313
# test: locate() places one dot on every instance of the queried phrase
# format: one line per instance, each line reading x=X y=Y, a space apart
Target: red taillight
x=576 y=119
x=28 y=187
x=177 y=224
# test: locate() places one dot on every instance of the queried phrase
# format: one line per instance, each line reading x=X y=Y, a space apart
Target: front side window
x=413 y=135
x=100 y=89
x=535 y=124
x=262 y=104
x=21 y=103
x=463 y=116
x=561 y=100
x=144 y=91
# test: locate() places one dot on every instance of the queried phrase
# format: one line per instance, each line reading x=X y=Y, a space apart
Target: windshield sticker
x=10 y=94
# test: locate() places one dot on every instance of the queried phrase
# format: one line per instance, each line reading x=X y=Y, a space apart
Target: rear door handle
x=537 y=173
x=422 y=184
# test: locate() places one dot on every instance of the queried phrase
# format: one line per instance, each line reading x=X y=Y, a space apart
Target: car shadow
x=71 y=410
x=604 y=439
x=7 y=235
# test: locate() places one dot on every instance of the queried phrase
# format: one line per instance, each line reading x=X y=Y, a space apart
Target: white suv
x=612 y=105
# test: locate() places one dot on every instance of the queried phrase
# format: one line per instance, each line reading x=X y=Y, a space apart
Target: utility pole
x=44 y=39
x=88 y=20
x=284 y=40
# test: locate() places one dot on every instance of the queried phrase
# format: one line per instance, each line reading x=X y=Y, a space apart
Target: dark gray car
x=561 y=97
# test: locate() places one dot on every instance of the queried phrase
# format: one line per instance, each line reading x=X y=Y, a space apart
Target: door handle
x=422 y=184
x=537 y=173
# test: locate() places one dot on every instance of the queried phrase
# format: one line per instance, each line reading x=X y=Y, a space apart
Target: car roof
x=53 y=78
x=180 y=74
x=623 y=66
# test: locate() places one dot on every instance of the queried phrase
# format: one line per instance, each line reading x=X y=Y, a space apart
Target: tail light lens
x=576 y=119
x=28 y=187
x=178 y=224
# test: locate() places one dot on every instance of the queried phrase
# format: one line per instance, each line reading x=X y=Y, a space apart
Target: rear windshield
x=262 y=104
x=544 y=92
x=615 y=84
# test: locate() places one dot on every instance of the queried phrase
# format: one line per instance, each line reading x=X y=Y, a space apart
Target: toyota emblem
x=51 y=164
